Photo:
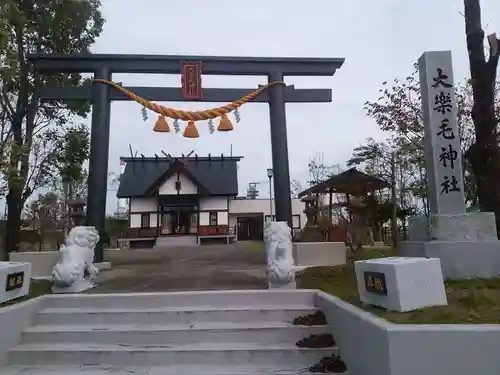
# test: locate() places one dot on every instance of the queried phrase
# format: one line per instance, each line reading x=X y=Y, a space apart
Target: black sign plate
x=375 y=283
x=14 y=281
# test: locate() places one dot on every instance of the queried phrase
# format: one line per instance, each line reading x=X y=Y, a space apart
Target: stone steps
x=189 y=333
x=182 y=334
x=177 y=300
x=233 y=314
x=175 y=241
x=155 y=370
x=203 y=353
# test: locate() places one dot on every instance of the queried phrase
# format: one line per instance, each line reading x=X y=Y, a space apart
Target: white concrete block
x=459 y=259
x=42 y=262
x=313 y=254
x=14 y=280
x=401 y=284
x=472 y=226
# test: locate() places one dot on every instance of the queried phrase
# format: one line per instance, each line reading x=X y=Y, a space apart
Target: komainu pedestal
x=466 y=243
x=280 y=263
x=74 y=271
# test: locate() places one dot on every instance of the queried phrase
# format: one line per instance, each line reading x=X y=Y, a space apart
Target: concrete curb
x=373 y=346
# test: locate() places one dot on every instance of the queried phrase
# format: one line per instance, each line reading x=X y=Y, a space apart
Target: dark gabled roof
x=175 y=167
x=351 y=181
x=217 y=176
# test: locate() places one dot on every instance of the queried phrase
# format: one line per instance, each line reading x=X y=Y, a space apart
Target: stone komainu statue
x=74 y=270
x=280 y=263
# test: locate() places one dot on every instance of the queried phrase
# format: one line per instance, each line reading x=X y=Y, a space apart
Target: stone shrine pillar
x=466 y=243
x=443 y=157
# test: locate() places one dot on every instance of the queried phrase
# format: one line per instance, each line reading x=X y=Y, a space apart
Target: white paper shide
x=74 y=271
x=280 y=263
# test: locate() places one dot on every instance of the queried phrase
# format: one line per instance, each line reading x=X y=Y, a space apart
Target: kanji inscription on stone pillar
x=443 y=156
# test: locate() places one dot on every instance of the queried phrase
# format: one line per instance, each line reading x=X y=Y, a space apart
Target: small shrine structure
x=350 y=187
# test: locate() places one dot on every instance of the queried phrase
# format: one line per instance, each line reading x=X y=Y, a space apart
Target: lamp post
x=270 y=176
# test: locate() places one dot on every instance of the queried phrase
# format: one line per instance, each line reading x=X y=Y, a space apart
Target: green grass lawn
x=469 y=301
x=37 y=288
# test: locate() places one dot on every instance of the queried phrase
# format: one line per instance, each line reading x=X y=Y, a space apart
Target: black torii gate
x=100 y=95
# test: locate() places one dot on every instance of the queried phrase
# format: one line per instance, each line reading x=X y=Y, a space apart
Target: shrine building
x=193 y=200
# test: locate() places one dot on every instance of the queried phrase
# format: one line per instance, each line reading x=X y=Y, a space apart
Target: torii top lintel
x=170 y=64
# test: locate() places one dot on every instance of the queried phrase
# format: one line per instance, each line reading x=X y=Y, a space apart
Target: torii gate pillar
x=97 y=189
x=279 y=150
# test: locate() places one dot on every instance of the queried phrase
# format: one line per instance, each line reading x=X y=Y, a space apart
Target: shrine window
x=213 y=219
x=145 y=221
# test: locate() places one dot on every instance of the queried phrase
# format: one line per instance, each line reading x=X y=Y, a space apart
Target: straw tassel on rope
x=225 y=124
x=191 y=131
x=161 y=125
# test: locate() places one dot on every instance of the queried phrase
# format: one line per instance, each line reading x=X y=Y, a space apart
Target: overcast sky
x=380 y=40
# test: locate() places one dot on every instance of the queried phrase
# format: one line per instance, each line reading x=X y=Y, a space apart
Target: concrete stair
x=182 y=334
x=193 y=333
x=175 y=241
x=148 y=370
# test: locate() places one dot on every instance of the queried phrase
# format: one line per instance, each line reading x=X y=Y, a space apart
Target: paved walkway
x=236 y=266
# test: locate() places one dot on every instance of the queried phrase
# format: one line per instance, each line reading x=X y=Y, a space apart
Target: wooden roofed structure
x=351 y=182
